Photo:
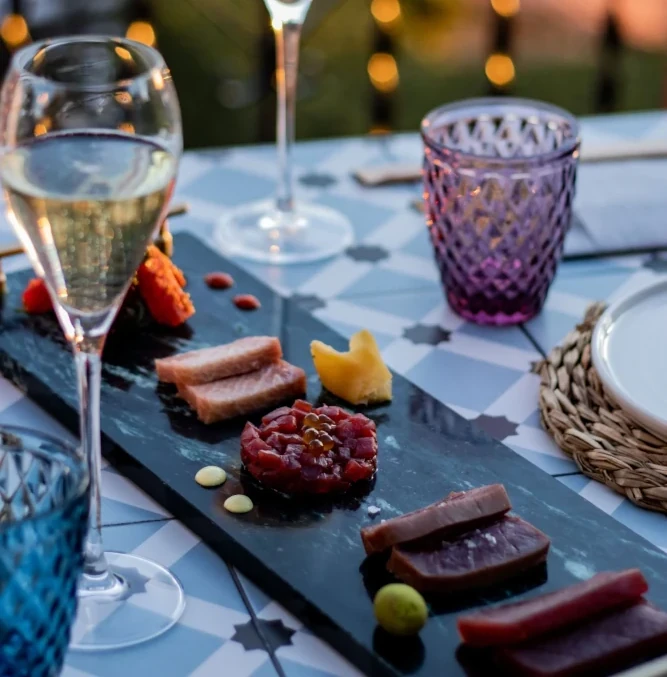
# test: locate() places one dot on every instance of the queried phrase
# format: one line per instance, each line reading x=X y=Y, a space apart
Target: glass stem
x=288 y=36
x=88 y=359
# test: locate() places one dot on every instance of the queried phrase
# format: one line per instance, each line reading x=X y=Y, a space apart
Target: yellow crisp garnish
x=358 y=376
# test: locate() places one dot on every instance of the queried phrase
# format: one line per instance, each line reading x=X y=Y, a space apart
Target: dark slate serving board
x=309 y=556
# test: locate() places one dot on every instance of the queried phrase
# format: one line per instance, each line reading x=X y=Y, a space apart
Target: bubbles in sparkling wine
x=87 y=205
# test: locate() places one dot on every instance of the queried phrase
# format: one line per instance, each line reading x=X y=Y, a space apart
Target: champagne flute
x=283 y=231
x=91 y=136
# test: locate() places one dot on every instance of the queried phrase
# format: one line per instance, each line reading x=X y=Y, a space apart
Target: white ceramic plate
x=629 y=350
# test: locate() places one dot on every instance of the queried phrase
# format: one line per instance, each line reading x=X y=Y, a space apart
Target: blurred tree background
x=370 y=66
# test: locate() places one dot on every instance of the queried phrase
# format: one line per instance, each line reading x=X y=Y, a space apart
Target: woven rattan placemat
x=589 y=426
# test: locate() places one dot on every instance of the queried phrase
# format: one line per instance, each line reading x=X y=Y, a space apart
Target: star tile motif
x=656 y=263
x=275 y=632
x=315 y=180
x=248 y=637
x=309 y=302
x=426 y=333
x=499 y=427
x=138 y=580
x=369 y=253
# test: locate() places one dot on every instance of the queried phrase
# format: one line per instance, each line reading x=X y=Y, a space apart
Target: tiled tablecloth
x=388 y=283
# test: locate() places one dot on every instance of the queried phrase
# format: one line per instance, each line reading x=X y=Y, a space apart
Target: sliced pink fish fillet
x=475 y=559
x=460 y=511
x=601 y=646
x=520 y=621
x=244 y=394
x=212 y=364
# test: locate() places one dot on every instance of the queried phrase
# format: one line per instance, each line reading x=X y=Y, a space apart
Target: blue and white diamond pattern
x=388 y=284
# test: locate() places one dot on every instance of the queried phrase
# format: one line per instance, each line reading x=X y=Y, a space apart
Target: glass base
x=261 y=232
x=144 y=601
x=499 y=312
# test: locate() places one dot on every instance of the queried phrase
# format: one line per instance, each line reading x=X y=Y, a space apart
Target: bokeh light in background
x=141 y=31
x=499 y=69
x=14 y=31
x=506 y=8
x=386 y=12
x=371 y=65
x=383 y=72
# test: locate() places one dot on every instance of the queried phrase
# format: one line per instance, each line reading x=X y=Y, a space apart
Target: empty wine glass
x=284 y=231
x=91 y=136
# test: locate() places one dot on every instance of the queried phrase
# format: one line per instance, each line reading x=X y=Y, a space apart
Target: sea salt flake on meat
x=451 y=567
x=460 y=511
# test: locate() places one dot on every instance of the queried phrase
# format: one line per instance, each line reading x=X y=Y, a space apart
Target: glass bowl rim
x=567 y=148
x=23 y=56
x=70 y=451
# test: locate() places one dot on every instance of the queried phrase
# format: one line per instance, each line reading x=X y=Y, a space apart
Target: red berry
x=36 y=297
x=247 y=302
x=219 y=280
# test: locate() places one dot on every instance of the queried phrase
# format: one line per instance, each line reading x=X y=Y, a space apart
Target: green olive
x=400 y=609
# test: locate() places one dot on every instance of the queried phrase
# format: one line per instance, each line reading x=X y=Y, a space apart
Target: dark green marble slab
x=309 y=556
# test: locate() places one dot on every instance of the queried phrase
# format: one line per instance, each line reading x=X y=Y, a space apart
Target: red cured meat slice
x=460 y=511
x=520 y=621
x=602 y=645
x=212 y=364
x=478 y=558
x=292 y=467
x=244 y=394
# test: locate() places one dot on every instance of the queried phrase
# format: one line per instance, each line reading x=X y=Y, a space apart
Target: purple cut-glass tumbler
x=499 y=180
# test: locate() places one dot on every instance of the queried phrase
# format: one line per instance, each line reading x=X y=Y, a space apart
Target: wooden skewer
x=11 y=251
x=406 y=172
x=15 y=250
x=178 y=210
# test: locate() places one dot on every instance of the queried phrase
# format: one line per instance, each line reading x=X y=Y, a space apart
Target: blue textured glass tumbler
x=43 y=522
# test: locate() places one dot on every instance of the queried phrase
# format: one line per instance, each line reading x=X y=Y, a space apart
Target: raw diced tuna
x=357 y=470
x=302 y=405
x=269 y=459
x=244 y=394
x=276 y=413
x=334 y=413
x=286 y=424
x=279 y=441
x=475 y=559
x=517 y=622
x=212 y=364
x=307 y=468
x=364 y=448
x=602 y=645
x=250 y=432
x=460 y=511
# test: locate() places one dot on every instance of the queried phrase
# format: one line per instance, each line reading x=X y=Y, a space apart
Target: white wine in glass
x=285 y=231
x=91 y=137
x=89 y=226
